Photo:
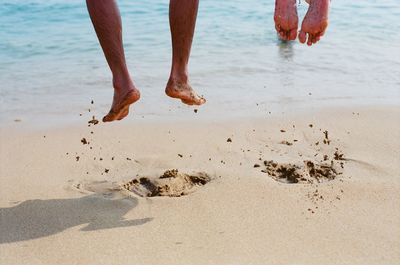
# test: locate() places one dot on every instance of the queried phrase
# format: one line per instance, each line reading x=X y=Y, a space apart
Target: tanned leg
x=182 y=19
x=286 y=19
x=106 y=20
x=315 y=22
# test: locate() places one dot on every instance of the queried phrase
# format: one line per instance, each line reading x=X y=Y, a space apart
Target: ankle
x=180 y=78
x=122 y=82
x=179 y=73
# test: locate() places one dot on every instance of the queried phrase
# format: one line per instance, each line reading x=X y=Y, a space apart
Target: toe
x=282 y=35
x=293 y=34
x=194 y=101
x=201 y=101
x=309 y=41
x=109 y=117
x=302 y=37
x=277 y=28
x=281 y=32
x=318 y=36
x=114 y=114
x=198 y=100
x=287 y=35
x=314 y=40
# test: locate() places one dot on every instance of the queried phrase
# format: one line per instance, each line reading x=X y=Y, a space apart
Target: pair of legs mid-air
x=314 y=24
x=182 y=16
x=107 y=23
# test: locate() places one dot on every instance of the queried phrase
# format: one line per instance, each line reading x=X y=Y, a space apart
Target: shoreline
x=179 y=113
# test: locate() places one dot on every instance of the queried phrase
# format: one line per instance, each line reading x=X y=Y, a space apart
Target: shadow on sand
x=40 y=218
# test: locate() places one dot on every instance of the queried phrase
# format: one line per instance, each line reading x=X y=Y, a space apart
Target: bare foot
x=123 y=98
x=184 y=92
x=286 y=19
x=315 y=22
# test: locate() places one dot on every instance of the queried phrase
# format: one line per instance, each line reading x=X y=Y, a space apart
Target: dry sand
x=64 y=199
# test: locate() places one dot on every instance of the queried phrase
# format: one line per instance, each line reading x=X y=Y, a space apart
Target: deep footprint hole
x=171 y=183
x=306 y=173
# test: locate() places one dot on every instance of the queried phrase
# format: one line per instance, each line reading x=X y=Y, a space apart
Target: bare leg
x=182 y=19
x=286 y=19
x=315 y=22
x=107 y=23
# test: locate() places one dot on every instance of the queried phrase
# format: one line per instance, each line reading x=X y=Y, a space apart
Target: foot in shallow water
x=183 y=91
x=286 y=19
x=124 y=96
x=315 y=22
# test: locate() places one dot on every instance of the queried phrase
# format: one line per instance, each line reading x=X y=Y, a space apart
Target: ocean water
x=51 y=65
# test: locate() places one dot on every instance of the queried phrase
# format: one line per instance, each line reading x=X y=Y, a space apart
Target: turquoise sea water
x=51 y=64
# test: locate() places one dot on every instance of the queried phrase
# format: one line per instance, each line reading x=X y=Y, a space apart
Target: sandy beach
x=294 y=159
x=64 y=198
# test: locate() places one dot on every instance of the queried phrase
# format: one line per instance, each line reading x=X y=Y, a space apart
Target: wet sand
x=310 y=188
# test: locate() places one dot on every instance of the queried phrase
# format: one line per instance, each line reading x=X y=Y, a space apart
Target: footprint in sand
x=172 y=184
x=306 y=173
x=104 y=188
